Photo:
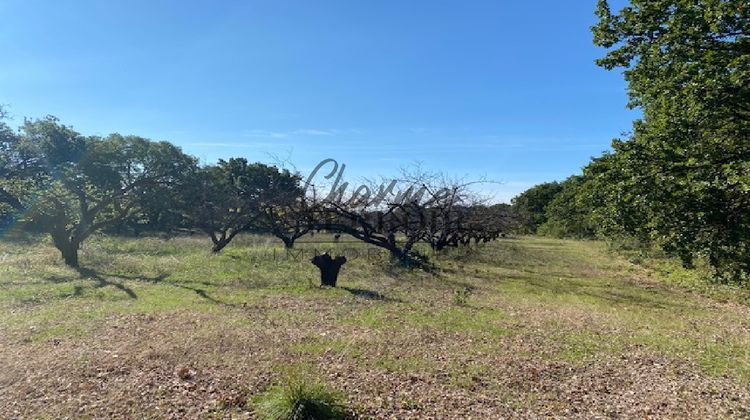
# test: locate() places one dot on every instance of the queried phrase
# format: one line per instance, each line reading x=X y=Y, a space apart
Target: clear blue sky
x=497 y=88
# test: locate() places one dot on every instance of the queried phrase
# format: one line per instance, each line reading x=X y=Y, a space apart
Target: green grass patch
x=299 y=398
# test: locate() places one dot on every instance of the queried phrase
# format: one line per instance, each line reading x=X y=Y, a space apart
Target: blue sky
x=502 y=89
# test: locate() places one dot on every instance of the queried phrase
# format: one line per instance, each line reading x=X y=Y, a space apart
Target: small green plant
x=461 y=296
x=299 y=398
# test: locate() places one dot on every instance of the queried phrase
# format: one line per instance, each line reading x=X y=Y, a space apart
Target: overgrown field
x=521 y=327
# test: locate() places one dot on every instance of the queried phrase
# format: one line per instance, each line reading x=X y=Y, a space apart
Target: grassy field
x=517 y=328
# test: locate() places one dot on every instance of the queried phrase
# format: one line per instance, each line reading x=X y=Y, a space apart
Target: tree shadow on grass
x=103 y=282
x=369 y=294
x=105 y=279
x=161 y=279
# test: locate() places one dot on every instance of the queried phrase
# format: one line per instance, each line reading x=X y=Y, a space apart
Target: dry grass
x=163 y=329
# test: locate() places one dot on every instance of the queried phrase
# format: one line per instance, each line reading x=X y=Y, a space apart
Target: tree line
x=680 y=180
x=57 y=181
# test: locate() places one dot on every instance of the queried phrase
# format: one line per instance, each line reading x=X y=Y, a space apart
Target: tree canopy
x=531 y=205
x=71 y=186
x=681 y=179
x=235 y=196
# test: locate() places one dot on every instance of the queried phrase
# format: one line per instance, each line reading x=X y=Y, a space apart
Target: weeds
x=461 y=296
x=300 y=398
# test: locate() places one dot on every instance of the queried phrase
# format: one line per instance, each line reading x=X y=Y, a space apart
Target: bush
x=300 y=398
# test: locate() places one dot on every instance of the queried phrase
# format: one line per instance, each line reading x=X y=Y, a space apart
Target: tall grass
x=300 y=398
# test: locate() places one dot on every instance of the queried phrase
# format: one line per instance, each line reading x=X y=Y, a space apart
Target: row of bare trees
x=427 y=207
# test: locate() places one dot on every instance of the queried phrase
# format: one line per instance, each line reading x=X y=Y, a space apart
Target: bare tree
x=428 y=207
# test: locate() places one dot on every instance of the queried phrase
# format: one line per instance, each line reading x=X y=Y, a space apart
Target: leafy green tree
x=10 y=169
x=160 y=213
x=77 y=185
x=289 y=214
x=568 y=214
x=235 y=196
x=686 y=168
x=612 y=195
x=530 y=206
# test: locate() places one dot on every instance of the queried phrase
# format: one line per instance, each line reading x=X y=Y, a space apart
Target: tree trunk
x=223 y=240
x=67 y=245
x=329 y=268
x=288 y=243
x=219 y=245
x=69 y=253
x=399 y=255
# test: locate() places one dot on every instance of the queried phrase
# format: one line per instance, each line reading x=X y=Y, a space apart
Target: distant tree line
x=56 y=181
x=681 y=179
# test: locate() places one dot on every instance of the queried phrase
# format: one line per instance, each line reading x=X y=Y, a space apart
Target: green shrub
x=299 y=398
